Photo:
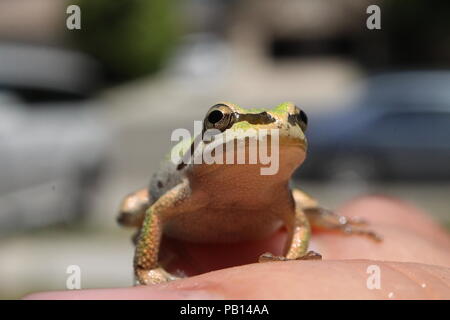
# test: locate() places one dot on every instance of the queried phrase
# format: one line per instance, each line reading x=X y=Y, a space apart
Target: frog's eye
x=302 y=120
x=219 y=117
x=215 y=116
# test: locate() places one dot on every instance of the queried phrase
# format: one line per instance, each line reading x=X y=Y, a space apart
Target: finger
x=408 y=235
x=382 y=210
x=293 y=280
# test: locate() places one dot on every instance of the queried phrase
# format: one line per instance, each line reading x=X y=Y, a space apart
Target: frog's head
x=283 y=126
x=289 y=120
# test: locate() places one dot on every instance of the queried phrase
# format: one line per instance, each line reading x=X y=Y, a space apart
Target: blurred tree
x=130 y=38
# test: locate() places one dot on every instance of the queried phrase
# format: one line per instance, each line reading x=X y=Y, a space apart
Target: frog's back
x=168 y=175
x=164 y=179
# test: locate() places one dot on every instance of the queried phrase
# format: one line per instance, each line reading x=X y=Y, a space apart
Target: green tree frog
x=231 y=202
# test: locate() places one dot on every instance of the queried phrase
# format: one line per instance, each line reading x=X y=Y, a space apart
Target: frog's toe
x=310 y=255
x=267 y=257
x=364 y=232
x=153 y=276
x=357 y=221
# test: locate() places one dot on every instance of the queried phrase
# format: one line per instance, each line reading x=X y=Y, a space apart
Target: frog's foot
x=310 y=255
x=153 y=276
x=364 y=232
x=329 y=216
x=327 y=219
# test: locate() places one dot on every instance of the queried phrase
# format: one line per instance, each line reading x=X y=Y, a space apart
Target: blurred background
x=86 y=115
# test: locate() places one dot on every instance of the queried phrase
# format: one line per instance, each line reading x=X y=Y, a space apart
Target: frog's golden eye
x=219 y=117
x=302 y=120
x=298 y=118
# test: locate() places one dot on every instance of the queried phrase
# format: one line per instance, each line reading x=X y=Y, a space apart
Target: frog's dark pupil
x=302 y=117
x=215 y=116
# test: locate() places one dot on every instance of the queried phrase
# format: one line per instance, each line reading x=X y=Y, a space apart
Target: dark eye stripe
x=301 y=119
x=292 y=119
x=255 y=118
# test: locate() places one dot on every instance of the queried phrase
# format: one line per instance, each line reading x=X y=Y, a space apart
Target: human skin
x=413 y=259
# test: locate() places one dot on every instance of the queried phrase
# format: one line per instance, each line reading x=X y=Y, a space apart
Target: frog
x=225 y=202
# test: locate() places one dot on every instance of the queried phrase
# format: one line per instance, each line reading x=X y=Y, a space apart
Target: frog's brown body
x=222 y=203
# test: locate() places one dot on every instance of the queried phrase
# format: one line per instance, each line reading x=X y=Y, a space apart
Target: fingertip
x=321 y=280
x=385 y=210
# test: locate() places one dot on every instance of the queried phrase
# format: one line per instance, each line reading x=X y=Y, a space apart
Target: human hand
x=413 y=259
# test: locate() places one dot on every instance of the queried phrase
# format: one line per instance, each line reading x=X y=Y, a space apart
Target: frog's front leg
x=146 y=265
x=133 y=207
x=299 y=233
x=326 y=219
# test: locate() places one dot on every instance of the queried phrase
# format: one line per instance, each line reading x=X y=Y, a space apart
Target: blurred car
x=399 y=129
x=53 y=143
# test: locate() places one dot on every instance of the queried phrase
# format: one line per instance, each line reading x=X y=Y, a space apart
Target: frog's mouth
x=245 y=146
